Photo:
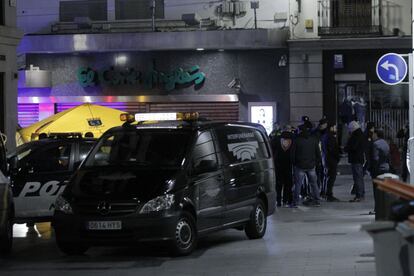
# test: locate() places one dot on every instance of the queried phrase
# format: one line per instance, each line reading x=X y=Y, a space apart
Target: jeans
x=299 y=179
x=358 y=176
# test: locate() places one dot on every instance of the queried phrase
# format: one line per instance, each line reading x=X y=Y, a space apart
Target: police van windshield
x=140 y=147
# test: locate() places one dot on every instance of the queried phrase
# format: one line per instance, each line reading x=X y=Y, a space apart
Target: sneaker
x=356 y=199
x=286 y=205
x=332 y=199
x=315 y=203
x=312 y=203
x=294 y=206
x=307 y=202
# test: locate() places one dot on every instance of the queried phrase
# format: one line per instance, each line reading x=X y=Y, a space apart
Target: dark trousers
x=284 y=184
x=358 y=176
x=320 y=177
x=330 y=177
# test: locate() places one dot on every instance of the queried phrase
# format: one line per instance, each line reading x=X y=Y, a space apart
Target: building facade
x=314 y=58
x=9 y=39
x=214 y=57
x=334 y=48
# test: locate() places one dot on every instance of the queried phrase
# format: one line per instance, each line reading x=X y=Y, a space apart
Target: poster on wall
x=263 y=113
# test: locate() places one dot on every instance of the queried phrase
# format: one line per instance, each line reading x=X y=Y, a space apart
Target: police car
x=38 y=170
x=170 y=181
x=6 y=204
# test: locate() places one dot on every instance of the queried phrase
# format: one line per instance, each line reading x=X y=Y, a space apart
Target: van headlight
x=62 y=205
x=157 y=204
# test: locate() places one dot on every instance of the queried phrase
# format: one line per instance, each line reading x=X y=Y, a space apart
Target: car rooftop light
x=169 y=116
x=126 y=117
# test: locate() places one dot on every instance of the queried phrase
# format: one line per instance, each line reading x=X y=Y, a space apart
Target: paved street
x=305 y=241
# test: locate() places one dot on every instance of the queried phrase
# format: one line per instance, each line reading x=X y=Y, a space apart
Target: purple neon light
x=63 y=106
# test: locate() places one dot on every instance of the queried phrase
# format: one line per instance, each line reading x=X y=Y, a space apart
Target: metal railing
x=349 y=18
x=137 y=25
x=391 y=120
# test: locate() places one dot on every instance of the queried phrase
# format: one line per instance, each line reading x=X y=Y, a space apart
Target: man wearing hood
x=282 y=154
x=306 y=154
x=356 y=149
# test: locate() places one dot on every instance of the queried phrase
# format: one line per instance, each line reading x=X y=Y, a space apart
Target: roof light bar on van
x=170 y=116
x=156 y=116
x=126 y=117
x=188 y=116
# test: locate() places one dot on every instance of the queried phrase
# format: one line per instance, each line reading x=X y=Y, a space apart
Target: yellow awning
x=83 y=118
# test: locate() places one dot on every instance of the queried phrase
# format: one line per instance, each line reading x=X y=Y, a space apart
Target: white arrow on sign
x=386 y=65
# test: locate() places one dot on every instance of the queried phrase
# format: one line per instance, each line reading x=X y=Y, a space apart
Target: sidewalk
x=326 y=240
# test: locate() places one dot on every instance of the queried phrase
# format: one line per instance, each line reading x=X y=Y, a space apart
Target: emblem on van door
x=244 y=151
x=104 y=208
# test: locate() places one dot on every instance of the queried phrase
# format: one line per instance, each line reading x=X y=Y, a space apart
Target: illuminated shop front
x=219 y=84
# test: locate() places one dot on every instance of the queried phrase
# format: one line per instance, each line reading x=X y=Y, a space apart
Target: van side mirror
x=206 y=166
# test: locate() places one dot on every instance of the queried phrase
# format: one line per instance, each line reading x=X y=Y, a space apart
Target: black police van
x=170 y=181
x=6 y=203
x=38 y=170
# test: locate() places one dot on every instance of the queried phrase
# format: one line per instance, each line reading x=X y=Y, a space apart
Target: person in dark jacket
x=305 y=154
x=282 y=154
x=369 y=131
x=319 y=132
x=356 y=148
x=380 y=160
x=405 y=135
x=380 y=154
x=330 y=160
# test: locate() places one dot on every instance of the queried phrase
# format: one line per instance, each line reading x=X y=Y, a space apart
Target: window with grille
x=138 y=9
x=95 y=10
x=351 y=13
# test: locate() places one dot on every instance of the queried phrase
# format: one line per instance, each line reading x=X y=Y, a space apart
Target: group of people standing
x=306 y=160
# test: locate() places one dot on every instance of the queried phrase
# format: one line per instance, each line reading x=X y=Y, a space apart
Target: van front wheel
x=185 y=235
x=256 y=227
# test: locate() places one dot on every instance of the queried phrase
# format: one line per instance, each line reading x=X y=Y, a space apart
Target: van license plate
x=104 y=225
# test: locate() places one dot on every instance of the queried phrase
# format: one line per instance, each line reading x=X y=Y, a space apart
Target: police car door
x=38 y=182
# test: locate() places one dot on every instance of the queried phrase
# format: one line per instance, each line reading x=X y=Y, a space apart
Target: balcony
x=349 y=18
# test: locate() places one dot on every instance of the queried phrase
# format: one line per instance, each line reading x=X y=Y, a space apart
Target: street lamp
x=255 y=5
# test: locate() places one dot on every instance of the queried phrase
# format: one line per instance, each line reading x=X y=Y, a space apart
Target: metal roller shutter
x=27 y=114
x=215 y=111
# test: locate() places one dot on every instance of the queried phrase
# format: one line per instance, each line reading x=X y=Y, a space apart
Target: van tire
x=256 y=227
x=6 y=237
x=184 y=236
x=71 y=249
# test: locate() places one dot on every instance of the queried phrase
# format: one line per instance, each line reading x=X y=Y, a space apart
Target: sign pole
x=411 y=116
x=411 y=99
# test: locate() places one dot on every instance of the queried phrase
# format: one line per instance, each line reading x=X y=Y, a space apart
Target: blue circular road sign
x=391 y=69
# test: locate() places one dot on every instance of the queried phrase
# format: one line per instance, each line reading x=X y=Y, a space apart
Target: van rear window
x=241 y=144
